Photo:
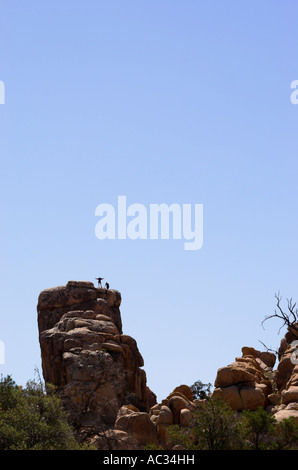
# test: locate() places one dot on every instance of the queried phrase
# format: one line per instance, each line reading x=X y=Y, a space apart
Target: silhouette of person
x=99 y=279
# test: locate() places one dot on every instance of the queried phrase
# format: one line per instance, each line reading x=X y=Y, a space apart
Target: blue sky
x=163 y=102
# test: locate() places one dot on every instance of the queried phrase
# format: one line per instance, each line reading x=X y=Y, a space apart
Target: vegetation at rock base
x=215 y=426
x=32 y=418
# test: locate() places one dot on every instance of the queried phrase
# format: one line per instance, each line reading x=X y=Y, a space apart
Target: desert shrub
x=215 y=427
x=33 y=418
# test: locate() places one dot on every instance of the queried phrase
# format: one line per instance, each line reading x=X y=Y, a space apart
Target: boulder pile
x=286 y=399
x=134 y=429
x=246 y=383
x=251 y=381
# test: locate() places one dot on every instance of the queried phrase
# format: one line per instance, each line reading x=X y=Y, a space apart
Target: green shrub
x=258 y=428
x=33 y=419
x=215 y=426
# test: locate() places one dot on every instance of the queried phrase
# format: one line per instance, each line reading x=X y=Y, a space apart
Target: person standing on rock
x=99 y=279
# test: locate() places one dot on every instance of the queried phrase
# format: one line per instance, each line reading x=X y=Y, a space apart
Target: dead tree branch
x=289 y=319
x=268 y=349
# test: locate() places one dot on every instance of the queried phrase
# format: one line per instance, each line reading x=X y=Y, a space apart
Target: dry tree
x=289 y=318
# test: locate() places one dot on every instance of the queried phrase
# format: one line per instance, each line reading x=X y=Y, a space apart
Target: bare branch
x=289 y=319
x=293 y=310
x=268 y=349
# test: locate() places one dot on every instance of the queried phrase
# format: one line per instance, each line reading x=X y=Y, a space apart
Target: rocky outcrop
x=175 y=409
x=246 y=383
x=98 y=373
x=96 y=368
x=134 y=429
x=251 y=382
x=286 y=400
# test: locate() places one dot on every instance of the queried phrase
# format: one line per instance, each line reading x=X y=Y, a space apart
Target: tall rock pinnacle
x=96 y=368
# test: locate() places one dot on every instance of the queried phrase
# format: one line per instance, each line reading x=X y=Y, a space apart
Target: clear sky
x=163 y=101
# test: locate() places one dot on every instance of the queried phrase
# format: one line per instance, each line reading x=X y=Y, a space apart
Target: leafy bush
x=215 y=426
x=257 y=428
x=261 y=431
x=33 y=418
